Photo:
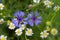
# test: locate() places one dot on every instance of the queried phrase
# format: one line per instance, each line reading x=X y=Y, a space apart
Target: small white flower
x=11 y=26
x=48 y=3
x=18 y=32
x=44 y=34
x=54 y=31
x=56 y=8
x=22 y=27
x=36 y=1
x=29 y=32
x=1 y=6
x=2 y=37
x=1 y=21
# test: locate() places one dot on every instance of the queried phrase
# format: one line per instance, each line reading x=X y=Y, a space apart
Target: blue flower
x=34 y=19
x=19 y=19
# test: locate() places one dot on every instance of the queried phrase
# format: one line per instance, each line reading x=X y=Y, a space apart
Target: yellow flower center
x=11 y=25
x=18 y=31
x=2 y=38
x=29 y=31
x=44 y=34
x=1 y=6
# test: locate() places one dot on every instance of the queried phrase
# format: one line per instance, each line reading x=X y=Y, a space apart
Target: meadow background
x=48 y=14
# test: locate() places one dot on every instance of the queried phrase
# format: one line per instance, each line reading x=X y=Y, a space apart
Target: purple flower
x=34 y=19
x=19 y=19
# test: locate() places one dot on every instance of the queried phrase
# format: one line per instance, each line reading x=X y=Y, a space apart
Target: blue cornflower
x=19 y=19
x=34 y=19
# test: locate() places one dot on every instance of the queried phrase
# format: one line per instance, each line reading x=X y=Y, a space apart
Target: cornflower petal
x=30 y=22
x=15 y=22
x=37 y=22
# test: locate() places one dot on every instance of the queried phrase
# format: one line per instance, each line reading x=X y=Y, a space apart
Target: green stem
x=53 y=17
x=17 y=37
x=21 y=38
x=25 y=35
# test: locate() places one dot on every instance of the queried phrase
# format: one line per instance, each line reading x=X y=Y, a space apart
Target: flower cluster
x=31 y=19
x=20 y=22
x=46 y=32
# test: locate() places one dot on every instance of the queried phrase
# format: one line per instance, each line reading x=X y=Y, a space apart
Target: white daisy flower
x=44 y=34
x=56 y=8
x=18 y=32
x=11 y=26
x=29 y=32
x=2 y=37
x=22 y=27
x=36 y=1
x=1 y=21
x=1 y=6
x=48 y=3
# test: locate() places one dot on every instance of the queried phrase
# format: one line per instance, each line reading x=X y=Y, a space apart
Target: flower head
x=1 y=21
x=29 y=32
x=19 y=19
x=2 y=37
x=18 y=32
x=33 y=18
x=1 y=6
x=36 y=1
x=56 y=8
x=54 y=31
x=44 y=34
x=11 y=26
x=48 y=3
